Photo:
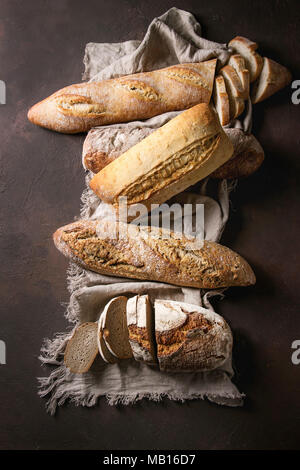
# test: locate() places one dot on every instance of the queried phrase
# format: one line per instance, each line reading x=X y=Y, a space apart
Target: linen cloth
x=175 y=37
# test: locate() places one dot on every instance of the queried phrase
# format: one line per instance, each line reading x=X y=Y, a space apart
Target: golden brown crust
x=78 y=108
x=114 y=248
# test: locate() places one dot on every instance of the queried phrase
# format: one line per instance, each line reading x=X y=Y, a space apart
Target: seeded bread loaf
x=172 y=158
x=190 y=338
x=140 y=322
x=117 y=249
x=78 y=108
x=82 y=348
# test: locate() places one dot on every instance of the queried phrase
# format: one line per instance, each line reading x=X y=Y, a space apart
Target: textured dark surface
x=41 y=49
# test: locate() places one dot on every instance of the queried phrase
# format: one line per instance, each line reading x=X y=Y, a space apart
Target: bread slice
x=190 y=338
x=232 y=77
x=237 y=62
x=246 y=48
x=273 y=77
x=82 y=348
x=221 y=100
x=115 y=331
x=236 y=104
x=140 y=321
x=103 y=349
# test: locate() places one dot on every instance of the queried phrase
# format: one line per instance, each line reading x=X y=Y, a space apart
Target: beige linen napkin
x=174 y=37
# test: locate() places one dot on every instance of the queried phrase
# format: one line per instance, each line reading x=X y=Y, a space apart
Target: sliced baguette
x=115 y=331
x=190 y=338
x=82 y=348
x=273 y=77
x=246 y=49
x=232 y=77
x=238 y=63
x=236 y=104
x=140 y=321
x=221 y=100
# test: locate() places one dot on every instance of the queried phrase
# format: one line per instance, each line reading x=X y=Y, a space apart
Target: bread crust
x=79 y=107
x=174 y=157
x=117 y=249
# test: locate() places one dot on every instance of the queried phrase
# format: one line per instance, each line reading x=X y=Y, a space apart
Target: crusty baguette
x=247 y=49
x=190 y=338
x=140 y=322
x=82 y=348
x=247 y=156
x=273 y=77
x=78 y=108
x=236 y=103
x=221 y=100
x=238 y=63
x=174 y=157
x=114 y=248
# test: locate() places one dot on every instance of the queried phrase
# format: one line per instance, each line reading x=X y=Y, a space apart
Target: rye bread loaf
x=113 y=326
x=78 y=108
x=190 y=338
x=172 y=158
x=140 y=322
x=117 y=249
x=82 y=348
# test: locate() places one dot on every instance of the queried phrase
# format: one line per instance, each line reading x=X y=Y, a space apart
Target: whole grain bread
x=82 y=348
x=137 y=252
x=78 y=108
x=190 y=338
x=174 y=157
x=140 y=322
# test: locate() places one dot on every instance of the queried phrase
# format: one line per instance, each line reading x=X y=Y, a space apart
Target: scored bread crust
x=126 y=250
x=247 y=157
x=79 y=107
x=221 y=100
x=75 y=360
x=190 y=338
x=174 y=157
x=273 y=78
x=141 y=329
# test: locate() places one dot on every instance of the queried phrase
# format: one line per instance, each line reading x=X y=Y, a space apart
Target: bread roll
x=117 y=249
x=190 y=338
x=174 y=157
x=78 y=108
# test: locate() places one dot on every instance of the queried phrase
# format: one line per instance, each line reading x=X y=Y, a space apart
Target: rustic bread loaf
x=174 y=157
x=78 y=108
x=247 y=156
x=247 y=49
x=273 y=77
x=117 y=249
x=113 y=325
x=140 y=322
x=221 y=100
x=190 y=338
x=82 y=348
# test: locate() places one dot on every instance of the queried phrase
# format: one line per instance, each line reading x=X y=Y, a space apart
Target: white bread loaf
x=190 y=338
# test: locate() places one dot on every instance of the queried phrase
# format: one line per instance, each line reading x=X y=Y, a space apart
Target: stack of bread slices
x=173 y=336
x=247 y=75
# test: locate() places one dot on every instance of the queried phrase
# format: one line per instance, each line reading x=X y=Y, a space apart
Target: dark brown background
x=41 y=49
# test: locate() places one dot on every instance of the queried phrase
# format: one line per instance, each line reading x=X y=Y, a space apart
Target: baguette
x=247 y=157
x=174 y=157
x=190 y=338
x=78 y=108
x=247 y=49
x=273 y=77
x=238 y=63
x=117 y=249
x=221 y=100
